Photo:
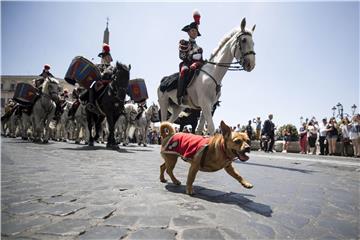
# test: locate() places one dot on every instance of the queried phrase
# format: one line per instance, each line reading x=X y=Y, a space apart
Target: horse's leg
x=47 y=129
x=98 y=127
x=200 y=126
x=126 y=133
x=46 y=125
x=145 y=135
x=176 y=111
x=206 y=110
x=193 y=127
x=111 y=139
x=181 y=127
x=35 y=123
x=89 y=127
x=164 y=105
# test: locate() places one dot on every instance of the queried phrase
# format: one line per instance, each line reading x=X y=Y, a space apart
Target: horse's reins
x=231 y=65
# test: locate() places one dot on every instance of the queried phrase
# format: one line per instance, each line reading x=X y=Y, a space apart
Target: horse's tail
x=166 y=129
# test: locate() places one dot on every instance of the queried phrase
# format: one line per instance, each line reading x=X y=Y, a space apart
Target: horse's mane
x=47 y=81
x=223 y=42
x=121 y=65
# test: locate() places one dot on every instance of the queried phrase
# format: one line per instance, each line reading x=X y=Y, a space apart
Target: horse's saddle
x=169 y=83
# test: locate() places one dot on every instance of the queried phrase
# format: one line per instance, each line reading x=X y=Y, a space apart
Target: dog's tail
x=166 y=129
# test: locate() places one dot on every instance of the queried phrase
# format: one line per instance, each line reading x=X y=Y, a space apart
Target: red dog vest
x=185 y=144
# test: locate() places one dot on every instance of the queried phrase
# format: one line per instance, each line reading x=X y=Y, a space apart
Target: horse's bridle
x=231 y=66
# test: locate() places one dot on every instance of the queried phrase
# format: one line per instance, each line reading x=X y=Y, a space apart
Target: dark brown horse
x=111 y=103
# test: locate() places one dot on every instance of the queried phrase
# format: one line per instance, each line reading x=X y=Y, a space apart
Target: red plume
x=106 y=48
x=196 y=16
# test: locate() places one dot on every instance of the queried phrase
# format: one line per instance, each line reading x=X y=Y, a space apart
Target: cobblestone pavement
x=68 y=191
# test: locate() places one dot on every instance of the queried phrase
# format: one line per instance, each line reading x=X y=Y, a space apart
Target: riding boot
x=181 y=88
x=91 y=107
x=57 y=111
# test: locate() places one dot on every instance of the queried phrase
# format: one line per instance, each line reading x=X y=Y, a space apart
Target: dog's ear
x=225 y=129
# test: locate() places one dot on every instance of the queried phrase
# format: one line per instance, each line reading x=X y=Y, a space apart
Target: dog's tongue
x=243 y=157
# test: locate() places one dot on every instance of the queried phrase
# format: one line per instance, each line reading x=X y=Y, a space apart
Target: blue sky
x=307 y=52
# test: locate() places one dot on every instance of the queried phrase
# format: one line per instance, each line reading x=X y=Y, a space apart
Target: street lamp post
x=340 y=110
x=333 y=108
x=353 y=107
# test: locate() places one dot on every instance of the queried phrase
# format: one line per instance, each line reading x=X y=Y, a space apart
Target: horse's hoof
x=24 y=138
x=112 y=146
x=91 y=144
x=64 y=140
x=145 y=145
x=77 y=142
x=45 y=141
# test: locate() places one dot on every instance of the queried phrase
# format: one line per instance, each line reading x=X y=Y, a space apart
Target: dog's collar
x=222 y=148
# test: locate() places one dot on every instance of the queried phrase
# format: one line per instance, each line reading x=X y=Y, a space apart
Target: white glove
x=197 y=56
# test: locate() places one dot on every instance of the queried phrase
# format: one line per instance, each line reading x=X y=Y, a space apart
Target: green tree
x=294 y=135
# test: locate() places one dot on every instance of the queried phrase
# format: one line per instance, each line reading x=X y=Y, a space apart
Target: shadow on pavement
x=283 y=168
x=216 y=196
x=94 y=148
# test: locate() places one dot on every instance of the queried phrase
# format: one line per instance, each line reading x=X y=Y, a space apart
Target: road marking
x=345 y=163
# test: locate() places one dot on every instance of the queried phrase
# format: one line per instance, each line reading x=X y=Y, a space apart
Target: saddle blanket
x=185 y=144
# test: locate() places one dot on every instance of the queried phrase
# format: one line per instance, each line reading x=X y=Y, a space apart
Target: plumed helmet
x=47 y=66
x=195 y=24
x=106 y=48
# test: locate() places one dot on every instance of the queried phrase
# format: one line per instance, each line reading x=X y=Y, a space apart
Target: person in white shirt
x=322 y=138
x=354 y=134
x=345 y=139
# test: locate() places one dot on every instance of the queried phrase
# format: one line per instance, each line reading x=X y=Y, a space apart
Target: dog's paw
x=177 y=182
x=190 y=193
x=163 y=180
x=247 y=184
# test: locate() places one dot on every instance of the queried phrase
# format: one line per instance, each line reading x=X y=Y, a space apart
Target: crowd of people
x=328 y=134
x=313 y=137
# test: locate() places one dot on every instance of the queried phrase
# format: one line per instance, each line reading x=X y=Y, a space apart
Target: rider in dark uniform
x=76 y=97
x=106 y=71
x=190 y=54
x=45 y=73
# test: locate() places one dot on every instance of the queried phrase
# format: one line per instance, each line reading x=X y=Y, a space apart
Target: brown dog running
x=222 y=150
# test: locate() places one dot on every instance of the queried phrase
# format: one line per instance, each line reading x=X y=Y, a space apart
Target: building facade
x=9 y=82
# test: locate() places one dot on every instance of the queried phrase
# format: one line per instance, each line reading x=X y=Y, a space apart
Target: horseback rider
x=76 y=96
x=141 y=108
x=106 y=71
x=9 y=109
x=190 y=54
x=45 y=74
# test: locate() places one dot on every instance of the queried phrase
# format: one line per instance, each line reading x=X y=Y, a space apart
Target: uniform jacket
x=269 y=128
x=189 y=51
x=185 y=145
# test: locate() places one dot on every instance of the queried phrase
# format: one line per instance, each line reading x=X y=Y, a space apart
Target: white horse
x=44 y=110
x=65 y=126
x=81 y=124
x=142 y=124
x=26 y=125
x=205 y=90
x=125 y=122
